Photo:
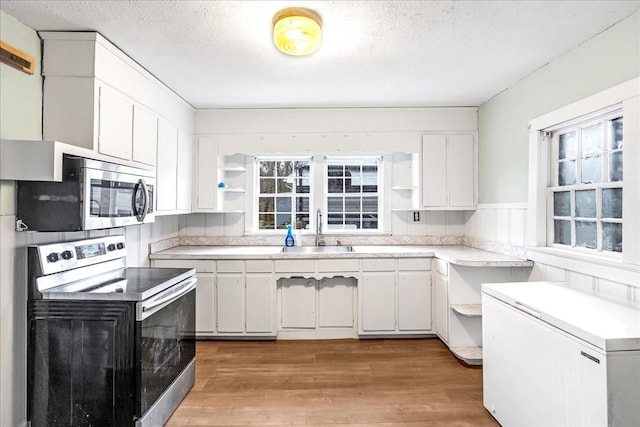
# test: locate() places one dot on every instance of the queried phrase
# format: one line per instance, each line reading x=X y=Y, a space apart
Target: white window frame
x=256 y=182
x=554 y=186
x=625 y=268
x=379 y=160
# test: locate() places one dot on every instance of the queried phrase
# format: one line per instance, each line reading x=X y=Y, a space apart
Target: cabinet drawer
x=379 y=264
x=414 y=264
x=333 y=265
x=230 y=266
x=441 y=266
x=201 y=265
x=295 y=266
x=259 y=266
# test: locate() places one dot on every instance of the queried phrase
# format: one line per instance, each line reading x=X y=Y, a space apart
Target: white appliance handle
x=146 y=309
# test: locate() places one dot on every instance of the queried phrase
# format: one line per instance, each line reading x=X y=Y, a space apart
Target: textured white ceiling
x=374 y=53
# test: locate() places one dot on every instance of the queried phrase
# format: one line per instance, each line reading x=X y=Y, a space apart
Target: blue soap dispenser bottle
x=289 y=241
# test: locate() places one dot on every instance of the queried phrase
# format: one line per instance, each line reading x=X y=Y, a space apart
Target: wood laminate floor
x=403 y=382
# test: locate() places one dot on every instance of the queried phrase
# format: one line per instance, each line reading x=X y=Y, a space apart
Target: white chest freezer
x=554 y=356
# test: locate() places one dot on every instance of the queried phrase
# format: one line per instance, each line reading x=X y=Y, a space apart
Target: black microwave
x=92 y=195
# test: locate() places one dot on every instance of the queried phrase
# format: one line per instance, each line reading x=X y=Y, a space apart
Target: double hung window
x=353 y=193
x=284 y=189
x=585 y=197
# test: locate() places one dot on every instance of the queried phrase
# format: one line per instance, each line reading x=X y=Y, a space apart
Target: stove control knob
x=67 y=255
x=53 y=257
x=120 y=245
x=111 y=247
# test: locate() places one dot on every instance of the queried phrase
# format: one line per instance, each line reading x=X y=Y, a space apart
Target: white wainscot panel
x=516 y=234
x=192 y=225
x=614 y=291
x=437 y=223
x=502 y=225
x=455 y=223
x=214 y=225
x=580 y=282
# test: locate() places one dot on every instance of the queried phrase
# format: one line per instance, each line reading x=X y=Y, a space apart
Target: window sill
x=605 y=268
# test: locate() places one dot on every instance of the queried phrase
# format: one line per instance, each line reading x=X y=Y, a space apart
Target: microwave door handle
x=145 y=197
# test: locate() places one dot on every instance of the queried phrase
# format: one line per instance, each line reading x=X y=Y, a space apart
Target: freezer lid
x=602 y=323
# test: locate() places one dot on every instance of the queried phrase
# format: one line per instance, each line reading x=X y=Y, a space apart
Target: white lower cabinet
x=335 y=303
x=260 y=303
x=377 y=292
x=229 y=303
x=440 y=306
x=298 y=303
x=397 y=301
x=205 y=305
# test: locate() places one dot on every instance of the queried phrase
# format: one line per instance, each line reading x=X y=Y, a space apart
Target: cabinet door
x=167 y=166
x=260 y=294
x=298 y=303
x=184 y=171
x=229 y=303
x=414 y=301
x=145 y=135
x=441 y=306
x=115 y=124
x=335 y=303
x=205 y=305
x=206 y=175
x=378 y=302
x=461 y=170
x=434 y=170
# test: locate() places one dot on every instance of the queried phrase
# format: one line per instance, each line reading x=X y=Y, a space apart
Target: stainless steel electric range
x=107 y=345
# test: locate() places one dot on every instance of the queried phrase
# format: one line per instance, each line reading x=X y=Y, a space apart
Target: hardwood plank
x=403 y=382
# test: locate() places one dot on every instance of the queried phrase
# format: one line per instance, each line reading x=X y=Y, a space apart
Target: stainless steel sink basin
x=316 y=249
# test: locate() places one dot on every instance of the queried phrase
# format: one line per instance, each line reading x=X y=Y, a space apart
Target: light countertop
x=459 y=255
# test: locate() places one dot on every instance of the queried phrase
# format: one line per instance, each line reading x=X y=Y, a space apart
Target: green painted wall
x=610 y=58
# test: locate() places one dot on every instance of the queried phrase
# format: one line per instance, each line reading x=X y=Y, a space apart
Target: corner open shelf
x=469 y=355
x=467 y=310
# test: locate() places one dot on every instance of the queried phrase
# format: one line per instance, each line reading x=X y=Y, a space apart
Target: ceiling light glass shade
x=297 y=31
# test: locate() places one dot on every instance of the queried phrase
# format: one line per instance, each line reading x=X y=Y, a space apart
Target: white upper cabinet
x=449 y=171
x=173 y=170
x=145 y=135
x=115 y=124
x=96 y=97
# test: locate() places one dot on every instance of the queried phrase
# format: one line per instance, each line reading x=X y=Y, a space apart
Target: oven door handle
x=146 y=309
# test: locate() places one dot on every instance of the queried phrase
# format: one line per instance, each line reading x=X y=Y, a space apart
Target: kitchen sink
x=316 y=249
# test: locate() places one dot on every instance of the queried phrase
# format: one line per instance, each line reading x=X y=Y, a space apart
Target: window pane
x=562 y=203
x=335 y=170
x=302 y=221
x=562 y=232
x=285 y=168
x=567 y=173
x=352 y=204
x=352 y=221
x=370 y=221
x=267 y=168
x=353 y=171
x=285 y=185
x=592 y=139
x=267 y=185
x=335 y=204
x=586 y=203
x=282 y=220
x=266 y=204
x=266 y=221
x=370 y=204
x=612 y=237
x=370 y=178
x=334 y=220
x=615 y=166
x=586 y=234
x=302 y=204
x=616 y=134
x=612 y=202
x=336 y=185
x=567 y=146
x=592 y=169
x=283 y=204
x=303 y=185
x=352 y=184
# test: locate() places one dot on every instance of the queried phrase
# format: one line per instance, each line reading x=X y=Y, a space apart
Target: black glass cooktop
x=126 y=284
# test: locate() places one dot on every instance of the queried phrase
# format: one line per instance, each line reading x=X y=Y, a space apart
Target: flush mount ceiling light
x=297 y=31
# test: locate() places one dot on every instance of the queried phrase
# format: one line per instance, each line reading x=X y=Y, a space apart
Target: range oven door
x=115 y=199
x=166 y=344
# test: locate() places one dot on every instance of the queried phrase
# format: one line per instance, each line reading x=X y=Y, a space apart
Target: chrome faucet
x=319 y=237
